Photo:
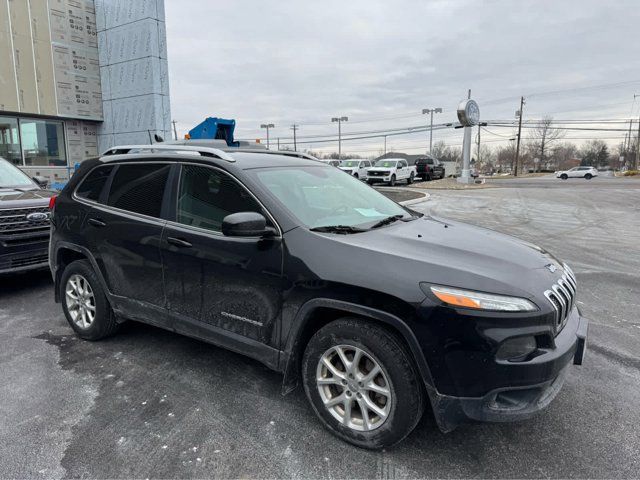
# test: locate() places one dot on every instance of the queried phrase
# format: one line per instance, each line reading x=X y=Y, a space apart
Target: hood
x=381 y=169
x=24 y=197
x=444 y=252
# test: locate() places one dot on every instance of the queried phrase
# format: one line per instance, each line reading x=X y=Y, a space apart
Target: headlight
x=479 y=300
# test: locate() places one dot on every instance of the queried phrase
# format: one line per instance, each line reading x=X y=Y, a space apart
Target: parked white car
x=391 y=170
x=357 y=168
x=575 y=172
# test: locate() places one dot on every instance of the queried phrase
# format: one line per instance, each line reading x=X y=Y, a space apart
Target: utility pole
x=431 y=111
x=339 y=121
x=295 y=127
x=175 y=132
x=278 y=143
x=478 y=152
x=635 y=158
x=515 y=174
x=385 y=144
x=267 y=126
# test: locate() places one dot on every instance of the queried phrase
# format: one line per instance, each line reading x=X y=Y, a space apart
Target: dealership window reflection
x=10 y=140
x=42 y=143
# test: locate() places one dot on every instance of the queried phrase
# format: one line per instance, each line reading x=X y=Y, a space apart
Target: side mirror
x=42 y=182
x=246 y=224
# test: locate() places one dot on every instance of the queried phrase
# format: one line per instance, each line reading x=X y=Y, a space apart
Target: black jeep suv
x=24 y=220
x=320 y=277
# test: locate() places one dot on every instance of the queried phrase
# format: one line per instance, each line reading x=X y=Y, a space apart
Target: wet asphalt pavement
x=149 y=403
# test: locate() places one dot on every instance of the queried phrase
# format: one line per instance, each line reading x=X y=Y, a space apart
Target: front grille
x=377 y=174
x=14 y=221
x=26 y=261
x=562 y=296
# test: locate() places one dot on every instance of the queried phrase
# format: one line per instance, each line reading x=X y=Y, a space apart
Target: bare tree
x=542 y=137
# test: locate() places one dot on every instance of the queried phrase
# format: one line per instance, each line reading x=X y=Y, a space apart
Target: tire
x=355 y=175
x=428 y=178
x=410 y=179
x=403 y=406
x=392 y=182
x=588 y=176
x=369 y=182
x=564 y=176
x=103 y=323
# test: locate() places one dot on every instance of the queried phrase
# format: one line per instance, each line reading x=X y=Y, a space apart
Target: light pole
x=431 y=111
x=339 y=120
x=267 y=126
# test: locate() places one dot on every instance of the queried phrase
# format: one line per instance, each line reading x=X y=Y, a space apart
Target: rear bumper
x=521 y=402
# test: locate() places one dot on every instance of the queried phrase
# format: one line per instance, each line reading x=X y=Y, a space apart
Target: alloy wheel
x=354 y=387
x=80 y=301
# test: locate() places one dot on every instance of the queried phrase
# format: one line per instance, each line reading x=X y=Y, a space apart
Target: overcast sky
x=381 y=63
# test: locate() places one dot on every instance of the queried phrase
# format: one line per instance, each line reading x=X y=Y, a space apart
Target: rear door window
x=91 y=187
x=139 y=188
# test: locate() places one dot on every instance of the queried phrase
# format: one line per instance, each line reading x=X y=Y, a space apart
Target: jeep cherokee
x=320 y=277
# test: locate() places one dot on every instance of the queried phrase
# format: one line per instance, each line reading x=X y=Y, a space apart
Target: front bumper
x=378 y=179
x=513 y=403
x=32 y=259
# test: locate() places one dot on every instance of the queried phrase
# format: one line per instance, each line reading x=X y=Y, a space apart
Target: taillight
x=52 y=202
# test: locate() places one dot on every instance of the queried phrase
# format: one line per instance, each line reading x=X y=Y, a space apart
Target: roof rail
x=203 y=151
x=286 y=153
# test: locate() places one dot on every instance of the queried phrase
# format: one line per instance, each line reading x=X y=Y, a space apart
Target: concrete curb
x=424 y=198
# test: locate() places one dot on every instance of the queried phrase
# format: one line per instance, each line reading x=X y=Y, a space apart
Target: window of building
x=139 y=188
x=10 y=140
x=42 y=143
x=207 y=196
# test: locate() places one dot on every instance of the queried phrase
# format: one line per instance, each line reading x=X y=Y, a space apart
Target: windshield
x=385 y=163
x=11 y=176
x=348 y=163
x=321 y=196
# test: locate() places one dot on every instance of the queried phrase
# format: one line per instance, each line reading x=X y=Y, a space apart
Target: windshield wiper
x=344 y=229
x=387 y=221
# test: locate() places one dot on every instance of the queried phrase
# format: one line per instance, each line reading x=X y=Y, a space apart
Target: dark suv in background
x=429 y=168
x=320 y=277
x=24 y=220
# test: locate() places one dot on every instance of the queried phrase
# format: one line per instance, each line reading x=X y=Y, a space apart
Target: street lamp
x=339 y=120
x=431 y=111
x=267 y=126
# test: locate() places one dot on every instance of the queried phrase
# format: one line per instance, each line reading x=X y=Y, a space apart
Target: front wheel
x=564 y=176
x=355 y=175
x=588 y=176
x=392 y=182
x=362 y=383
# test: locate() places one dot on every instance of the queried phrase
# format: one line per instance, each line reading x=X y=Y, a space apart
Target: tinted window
x=139 y=188
x=92 y=185
x=206 y=196
x=430 y=161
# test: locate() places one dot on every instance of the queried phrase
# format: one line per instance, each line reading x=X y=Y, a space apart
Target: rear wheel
x=428 y=178
x=84 y=303
x=564 y=176
x=362 y=384
x=588 y=176
x=410 y=179
x=392 y=182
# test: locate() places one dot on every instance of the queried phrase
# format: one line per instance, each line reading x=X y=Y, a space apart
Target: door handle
x=178 y=242
x=97 y=223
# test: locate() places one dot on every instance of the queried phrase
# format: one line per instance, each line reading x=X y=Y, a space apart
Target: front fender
x=290 y=358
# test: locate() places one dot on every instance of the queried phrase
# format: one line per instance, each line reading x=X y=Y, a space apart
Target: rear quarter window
x=91 y=187
x=139 y=188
